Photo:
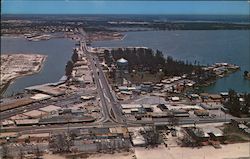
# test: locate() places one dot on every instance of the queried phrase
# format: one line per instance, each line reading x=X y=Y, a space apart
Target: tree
x=5 y=152
x=38 y=153
x=233 y=103
x=107 y=57
x=74 y=57
x=151 y=136
x=58 y=143
x=69 y=68
x=236 y=107
x=145 y=59
x=246 y=104
x=21 y=153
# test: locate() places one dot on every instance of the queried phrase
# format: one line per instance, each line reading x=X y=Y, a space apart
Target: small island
x=17 y=65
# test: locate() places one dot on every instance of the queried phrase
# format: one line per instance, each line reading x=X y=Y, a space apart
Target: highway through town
x=111 y=108
x=66 y=127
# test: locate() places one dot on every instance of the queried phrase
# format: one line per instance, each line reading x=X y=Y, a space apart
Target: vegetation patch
x=233 y=134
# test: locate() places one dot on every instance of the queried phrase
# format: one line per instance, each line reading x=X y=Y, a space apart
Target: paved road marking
x=106 y=97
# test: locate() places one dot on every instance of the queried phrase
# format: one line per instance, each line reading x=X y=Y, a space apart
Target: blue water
x=205 y=46
x=59 y=52
x=232 y=46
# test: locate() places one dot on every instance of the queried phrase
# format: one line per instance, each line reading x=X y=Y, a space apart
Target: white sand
x=207 y=152
x=52 y=156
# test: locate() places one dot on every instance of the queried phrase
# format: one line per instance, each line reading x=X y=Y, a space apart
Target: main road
x=111 y=108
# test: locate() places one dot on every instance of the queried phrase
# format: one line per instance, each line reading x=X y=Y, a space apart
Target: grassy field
x=234 y=135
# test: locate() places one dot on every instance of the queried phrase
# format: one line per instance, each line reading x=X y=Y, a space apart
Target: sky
x=197 y=7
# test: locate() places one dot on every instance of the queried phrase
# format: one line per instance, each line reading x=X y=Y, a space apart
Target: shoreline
x=11 y=81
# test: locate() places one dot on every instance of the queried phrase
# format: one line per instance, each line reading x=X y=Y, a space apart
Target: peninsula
x=17 y=65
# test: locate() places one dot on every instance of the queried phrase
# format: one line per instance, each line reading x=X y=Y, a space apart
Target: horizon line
x=122 y=14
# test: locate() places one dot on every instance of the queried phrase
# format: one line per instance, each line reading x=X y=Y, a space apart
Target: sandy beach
x=206 y=152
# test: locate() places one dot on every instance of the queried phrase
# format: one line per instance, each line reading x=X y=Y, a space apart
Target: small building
x=18 y=117
x=136 y=136
x=163 y=107
x=8 y=135
x=180 y=113
x=40 y=96
x=204 y=95
x=87 y=97
x=194 y=96
x=146 y=88
x=5 y=123
x=47 y=89
x=202 y=134
x=148 y=108
x=216 y=97
x=160 y=115
x=126 y=111
x=224 y=94
x=201 y=112
x=210 y=106
x=123 y=88
x=130 y=106
x=34 y=114
x=26 y=122
x=50 y=108
x=127 y=92
x=175 y=99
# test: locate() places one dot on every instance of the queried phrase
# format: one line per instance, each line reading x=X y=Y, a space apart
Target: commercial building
x=40 y=96
x=50 y=90
x=26 y=122
x=210 y=106
x=35 y=114
x=50 y=108
x=201 y=134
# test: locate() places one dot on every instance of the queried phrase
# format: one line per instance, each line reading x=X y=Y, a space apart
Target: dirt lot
x=124 y=155
x=207 y=152
x=51 y=156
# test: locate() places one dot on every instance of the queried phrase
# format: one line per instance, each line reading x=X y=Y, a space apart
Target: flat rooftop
x=50 y=108
x=50 y=90
x=34 y=113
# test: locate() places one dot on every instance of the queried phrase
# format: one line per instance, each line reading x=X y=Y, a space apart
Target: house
x=202 y=134
x=146 y=88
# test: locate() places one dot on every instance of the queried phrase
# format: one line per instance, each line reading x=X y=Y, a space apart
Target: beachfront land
x=17 y=65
